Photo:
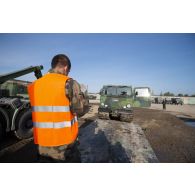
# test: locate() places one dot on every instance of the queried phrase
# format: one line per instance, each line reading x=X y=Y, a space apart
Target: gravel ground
x=114 y=141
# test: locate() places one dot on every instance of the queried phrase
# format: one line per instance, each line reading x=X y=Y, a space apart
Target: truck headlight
x=128 y=106
x=106 y=106
x=102 y=104
x=124 y=107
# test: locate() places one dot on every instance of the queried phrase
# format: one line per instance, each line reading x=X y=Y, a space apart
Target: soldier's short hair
x=60 y=59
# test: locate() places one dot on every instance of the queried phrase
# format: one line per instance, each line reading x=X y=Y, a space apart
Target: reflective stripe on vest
x=56 y=125
x=50 y=108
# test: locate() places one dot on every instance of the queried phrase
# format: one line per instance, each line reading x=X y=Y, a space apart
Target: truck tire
x=25 y=126
x=126 y=118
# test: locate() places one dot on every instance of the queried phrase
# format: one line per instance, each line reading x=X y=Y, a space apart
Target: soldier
x=56 y=102
x=164 y=103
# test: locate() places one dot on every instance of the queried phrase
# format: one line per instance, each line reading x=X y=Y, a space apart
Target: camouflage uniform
x=61 y=153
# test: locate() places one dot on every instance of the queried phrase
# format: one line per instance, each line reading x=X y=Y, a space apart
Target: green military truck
x=118 y=101
x=15 y=111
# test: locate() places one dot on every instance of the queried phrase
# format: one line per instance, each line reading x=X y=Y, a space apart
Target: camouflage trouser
x=64 y=153
x=52 y=154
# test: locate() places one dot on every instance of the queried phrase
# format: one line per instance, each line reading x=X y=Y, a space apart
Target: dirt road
x=171 y=139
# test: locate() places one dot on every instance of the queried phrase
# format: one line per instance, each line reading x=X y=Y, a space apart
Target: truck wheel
x=2 y=131
x=126 y=118
x=25 y=126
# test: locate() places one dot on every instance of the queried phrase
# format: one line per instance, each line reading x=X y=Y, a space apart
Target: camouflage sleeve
x=68 y=89
x=73 y=92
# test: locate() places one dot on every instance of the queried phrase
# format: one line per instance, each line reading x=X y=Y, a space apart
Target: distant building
x=186 y=100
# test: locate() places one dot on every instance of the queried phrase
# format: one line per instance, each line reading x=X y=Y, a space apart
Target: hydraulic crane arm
x=12 y=75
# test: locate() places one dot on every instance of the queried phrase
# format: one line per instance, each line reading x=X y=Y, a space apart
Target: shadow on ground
x=93 y=147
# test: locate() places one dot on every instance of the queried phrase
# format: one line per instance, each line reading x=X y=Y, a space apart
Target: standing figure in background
x=164 y=103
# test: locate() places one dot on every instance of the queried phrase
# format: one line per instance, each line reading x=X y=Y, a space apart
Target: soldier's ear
x=67 y=68
x=81 y=94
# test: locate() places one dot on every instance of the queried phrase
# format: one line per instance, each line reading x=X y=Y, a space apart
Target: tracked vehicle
x=15 y=111
x=118 y=101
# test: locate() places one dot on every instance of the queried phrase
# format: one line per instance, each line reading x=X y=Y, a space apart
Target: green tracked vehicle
x=117 y=101
x=15 y=111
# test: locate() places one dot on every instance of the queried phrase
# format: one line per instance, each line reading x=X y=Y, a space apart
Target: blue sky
x=164 y=62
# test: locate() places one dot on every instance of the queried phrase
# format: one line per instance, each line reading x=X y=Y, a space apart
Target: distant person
x=156 y=100
x=56 y=102
x=164 y=103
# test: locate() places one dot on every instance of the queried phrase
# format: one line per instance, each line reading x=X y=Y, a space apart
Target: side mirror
x=136 y=93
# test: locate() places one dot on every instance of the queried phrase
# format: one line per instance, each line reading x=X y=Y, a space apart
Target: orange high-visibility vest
x=53 y=122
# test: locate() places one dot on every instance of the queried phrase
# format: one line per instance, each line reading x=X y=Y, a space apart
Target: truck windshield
x=123 y=91
x=110 y=91
x=118 y=91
